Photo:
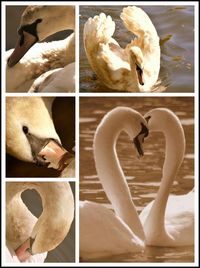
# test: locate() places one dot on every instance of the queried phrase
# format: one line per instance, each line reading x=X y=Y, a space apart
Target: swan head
x=28 y=235
x=161 y=119
x=29 y=127
x=123 y=119
x=39 y=22
x=137 y=64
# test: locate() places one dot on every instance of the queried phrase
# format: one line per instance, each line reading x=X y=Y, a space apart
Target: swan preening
x=104 y=233
x=169 y=220
x=133 y=68
x=29 y=61
x=25 y=234
x=31 y=134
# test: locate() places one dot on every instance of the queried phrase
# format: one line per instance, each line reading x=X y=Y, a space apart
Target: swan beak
x=138 y=140
x=24 y=252
x=56 y=155
x=24 y=43
x=140 y=75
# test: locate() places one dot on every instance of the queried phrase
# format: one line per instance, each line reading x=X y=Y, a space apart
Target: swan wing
x=107 y=59
x=102 y=233
x=57 y=80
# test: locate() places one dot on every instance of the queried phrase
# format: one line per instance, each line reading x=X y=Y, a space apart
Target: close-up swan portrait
x=31 y=238
x=54 y=61
x=119 y=219
x=136 y=48
x=40 y=132
x=119 y=232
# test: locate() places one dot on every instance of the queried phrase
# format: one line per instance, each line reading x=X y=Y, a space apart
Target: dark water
x=143 y=175
x=175 y=27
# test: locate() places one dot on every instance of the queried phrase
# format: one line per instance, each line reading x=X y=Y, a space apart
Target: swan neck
x=111 y=175
x=174 y=154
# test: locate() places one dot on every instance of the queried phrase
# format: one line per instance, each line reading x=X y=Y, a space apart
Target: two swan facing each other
x=105 y=233
x=29 y=60
x=31 y=135
x=30 y=238
x=134 y=68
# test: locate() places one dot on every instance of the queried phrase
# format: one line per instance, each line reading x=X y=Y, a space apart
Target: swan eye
x=25 y=129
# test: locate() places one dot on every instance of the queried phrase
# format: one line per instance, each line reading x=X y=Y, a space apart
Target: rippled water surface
x=143 y=176
x=175 y=27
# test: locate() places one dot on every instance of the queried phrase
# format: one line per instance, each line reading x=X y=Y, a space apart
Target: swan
x=102 y=232
x=133 y=68
x=169 y=220
x=25 y=234
x=57 y=80
x=37 y=23
x=30 y=132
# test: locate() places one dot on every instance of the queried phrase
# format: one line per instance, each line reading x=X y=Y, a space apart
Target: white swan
x=135 y=68
x=169 y=220
x=102 y=232
x=30 y=132
x=37 y=23
x=27 y=235
x=57 y=80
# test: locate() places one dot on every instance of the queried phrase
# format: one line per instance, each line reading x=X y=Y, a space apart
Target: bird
x=28 y=236
x=30 y=132
x=168 y=221
x=134 y=68
x=102 y=231
x=57 y=80
x=37 y=23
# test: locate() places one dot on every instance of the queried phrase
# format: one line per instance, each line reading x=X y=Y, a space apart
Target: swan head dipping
x=30 y=132
x=37 y=23
x=28 y=235
x=123 y=119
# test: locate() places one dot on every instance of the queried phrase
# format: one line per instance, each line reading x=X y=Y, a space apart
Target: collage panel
x=43 y=58
x=43 y=229
x=40 y=137
x=120 y=52
x=133 y=151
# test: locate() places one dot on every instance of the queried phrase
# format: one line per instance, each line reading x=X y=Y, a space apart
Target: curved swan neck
x=174 y=154
x=110 y=173
x=58 y=211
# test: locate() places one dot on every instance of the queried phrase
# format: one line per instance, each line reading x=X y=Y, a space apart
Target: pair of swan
x=31 y=135
x=167 y=221
x=133 y=68
x=29 y=61
x=27 y=237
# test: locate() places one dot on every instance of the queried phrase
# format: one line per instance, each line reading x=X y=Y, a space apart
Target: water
x=143 y=176
x=175 y=27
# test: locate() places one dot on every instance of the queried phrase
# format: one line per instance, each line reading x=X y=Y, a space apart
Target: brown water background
x=175 y=27
x=143 y=175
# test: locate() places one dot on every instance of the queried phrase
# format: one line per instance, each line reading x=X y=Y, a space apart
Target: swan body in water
x=27 y=235
x=134 y=68
x=31 y=134
x=102 y=231
x=37 y=23
x=169 y=220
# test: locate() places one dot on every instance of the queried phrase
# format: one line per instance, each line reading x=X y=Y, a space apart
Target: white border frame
x=77 y=96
